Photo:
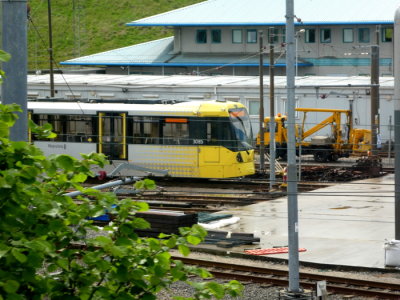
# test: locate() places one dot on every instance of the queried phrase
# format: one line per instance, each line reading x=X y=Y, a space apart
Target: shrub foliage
x=50 y=249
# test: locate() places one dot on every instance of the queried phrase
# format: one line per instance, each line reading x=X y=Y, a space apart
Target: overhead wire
x=45 y=43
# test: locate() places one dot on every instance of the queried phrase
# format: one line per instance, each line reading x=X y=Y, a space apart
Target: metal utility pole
x=396 y=100
x=374 y=98
x=293 y=226
x=261 y=75
x=14 y=40
x=272 y=152
x=50 y=50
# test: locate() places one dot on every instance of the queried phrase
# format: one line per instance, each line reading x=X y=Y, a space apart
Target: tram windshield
x=242 y=126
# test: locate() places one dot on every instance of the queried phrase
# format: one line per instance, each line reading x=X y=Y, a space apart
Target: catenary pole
x=272 y=153
x=261 y=75
x=51 y=69
x=396 y=99
x=14 y=41
x=374 y=98
x=291 y=153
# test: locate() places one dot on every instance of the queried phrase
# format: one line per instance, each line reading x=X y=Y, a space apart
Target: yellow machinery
x=342 y=141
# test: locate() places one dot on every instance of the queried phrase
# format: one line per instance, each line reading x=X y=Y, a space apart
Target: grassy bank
x=83 y=27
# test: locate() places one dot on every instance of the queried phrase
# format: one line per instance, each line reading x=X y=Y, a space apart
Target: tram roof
x=190 y=108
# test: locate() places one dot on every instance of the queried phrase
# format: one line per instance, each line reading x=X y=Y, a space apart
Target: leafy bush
x=49 y=247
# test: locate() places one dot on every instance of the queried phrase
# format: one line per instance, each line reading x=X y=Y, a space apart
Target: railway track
x=345 y=285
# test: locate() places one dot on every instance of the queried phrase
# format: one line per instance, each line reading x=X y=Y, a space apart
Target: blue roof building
x=222 y=37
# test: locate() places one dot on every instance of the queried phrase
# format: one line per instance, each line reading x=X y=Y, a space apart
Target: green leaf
x=216 y=289
x=63 y=263
x=4 y=56
x=118 y=251
x=3 y=250
x=184 y=250
x=139 y=185
x=146 y=184
x=79 y=178
x=194 y=240
x=142 y=206
x=52 y=268
x=139 y=223
x=137 y=274
x=39 y=245
x=199 y=231
x=65 y=162
x=11 y=286
x=18 y=255
x=148 y=297
x=235 y=288
x=170 y=243
x=103 y=241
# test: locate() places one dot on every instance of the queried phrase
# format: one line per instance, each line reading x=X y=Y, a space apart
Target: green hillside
x=83 y=27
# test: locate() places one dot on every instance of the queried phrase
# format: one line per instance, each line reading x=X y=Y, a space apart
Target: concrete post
x=272 y=146
x=396 y=99
x=374 y=98
x=261 y=116
x=291 y=151
x=14 y=39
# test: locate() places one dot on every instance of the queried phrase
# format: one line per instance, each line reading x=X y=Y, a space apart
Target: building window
x=216 y=36
x=201 y=36
x=274 y=34
x=348 y=36
x=285 y=106
x=387 y=34
x=237 y=36
x=254 y=107
x=326 y=35
x=251 y=36
x=310 y=36
x=363 y=35
x=284 y=35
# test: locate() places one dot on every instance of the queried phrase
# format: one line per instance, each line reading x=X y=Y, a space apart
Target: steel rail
x=345 y=285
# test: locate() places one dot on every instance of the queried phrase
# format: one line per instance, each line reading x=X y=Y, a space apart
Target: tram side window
x=212 y=131
x=175 y=132
x=68 y=128
x=81 y=129
x=57 y=122
x=219 y=132
x=146 y=130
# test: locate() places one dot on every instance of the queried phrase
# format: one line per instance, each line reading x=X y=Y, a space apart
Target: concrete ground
x=346 y=224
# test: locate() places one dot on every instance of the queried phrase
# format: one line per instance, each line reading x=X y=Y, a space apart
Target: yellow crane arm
x=319 y=126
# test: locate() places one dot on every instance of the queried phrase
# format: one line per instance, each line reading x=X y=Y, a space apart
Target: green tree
x=49 y=247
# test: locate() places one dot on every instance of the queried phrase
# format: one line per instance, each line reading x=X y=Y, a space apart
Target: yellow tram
x=200 y=139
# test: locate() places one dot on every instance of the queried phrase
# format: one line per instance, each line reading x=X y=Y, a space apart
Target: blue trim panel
x=177 y=64
x=349 y=62
x=259 y=24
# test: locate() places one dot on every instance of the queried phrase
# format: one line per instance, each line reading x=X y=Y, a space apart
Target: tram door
x=112 y=135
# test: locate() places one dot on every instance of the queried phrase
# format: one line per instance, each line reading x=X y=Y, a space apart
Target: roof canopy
x=272 y=12
x=159 y=53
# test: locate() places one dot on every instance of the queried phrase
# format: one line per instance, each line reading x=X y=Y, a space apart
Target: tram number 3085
x=198 y=142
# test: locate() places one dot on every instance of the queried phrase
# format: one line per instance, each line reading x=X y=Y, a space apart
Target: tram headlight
x=239 y=157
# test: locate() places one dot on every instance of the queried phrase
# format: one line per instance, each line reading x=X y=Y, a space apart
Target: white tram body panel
x=73 y=149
